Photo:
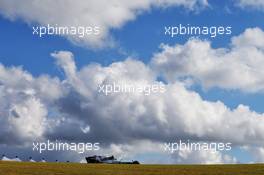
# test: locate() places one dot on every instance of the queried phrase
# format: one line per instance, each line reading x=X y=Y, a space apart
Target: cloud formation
x=22 y=100
x=61 y=109
x=239 y=67
x=106 y=14
x=72 y=109
x=157 y=116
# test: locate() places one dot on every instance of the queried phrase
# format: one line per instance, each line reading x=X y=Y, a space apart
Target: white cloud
x=257 y=4
x=27 y=118
x=106 y=14
x=157 y=116
x=202 y=157
x=74 y=110
x=66 y=62
x=239 y=67
x=22 y=104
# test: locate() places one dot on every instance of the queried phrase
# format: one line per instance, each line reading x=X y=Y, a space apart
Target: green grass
x=26 y=168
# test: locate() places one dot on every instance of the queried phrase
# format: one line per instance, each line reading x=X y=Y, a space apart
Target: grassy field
x=15 y=168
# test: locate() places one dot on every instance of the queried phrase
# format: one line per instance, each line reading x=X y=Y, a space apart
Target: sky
x=214 y=86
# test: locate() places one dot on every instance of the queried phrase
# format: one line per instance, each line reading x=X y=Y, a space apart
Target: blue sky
x=139 y=38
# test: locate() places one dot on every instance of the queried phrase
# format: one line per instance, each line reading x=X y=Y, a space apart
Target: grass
x=26 y=168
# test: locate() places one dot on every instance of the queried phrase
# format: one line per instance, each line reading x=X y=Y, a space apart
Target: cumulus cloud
x=22 y=102
x=158 y=116
x=106 y=14
x=239 y=67
x=73 y=110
